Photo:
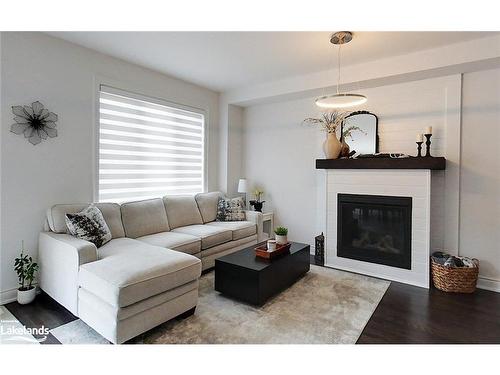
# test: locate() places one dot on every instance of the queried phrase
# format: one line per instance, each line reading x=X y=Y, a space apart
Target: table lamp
x=242 y=188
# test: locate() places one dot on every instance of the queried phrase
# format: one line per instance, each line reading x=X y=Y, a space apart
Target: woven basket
x=455 y=279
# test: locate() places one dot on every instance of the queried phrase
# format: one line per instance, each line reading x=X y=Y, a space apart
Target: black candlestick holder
x=419 y=149
x=428 y=145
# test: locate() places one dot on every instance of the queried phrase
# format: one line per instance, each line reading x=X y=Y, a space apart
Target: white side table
x=268 y=224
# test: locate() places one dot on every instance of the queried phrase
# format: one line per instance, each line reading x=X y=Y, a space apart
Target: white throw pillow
x=89 y=225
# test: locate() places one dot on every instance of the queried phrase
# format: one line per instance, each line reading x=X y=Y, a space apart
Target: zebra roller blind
x=147 y=149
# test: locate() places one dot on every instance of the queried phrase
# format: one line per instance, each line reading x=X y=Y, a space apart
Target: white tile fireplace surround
x=385 y=182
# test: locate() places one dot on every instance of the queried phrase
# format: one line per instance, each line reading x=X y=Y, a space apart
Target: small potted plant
x=281 y=235
x=25 y=269
x=257 y=203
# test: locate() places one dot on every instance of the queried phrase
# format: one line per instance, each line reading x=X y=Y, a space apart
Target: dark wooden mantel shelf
x=433 y=163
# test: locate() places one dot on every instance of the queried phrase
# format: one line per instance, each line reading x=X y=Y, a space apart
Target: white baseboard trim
x=7 y=296
x=488 y=284
x=10 y=295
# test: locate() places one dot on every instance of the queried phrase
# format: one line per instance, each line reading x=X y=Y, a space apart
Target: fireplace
x=375 y=229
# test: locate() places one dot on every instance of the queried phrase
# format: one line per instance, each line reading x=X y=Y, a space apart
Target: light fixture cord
x=338 y=73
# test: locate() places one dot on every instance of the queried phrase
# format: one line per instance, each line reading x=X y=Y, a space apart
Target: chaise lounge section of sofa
x=148 y=273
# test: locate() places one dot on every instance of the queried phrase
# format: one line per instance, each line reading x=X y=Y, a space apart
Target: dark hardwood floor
x=412 y=315
x=43 y=311
x=405 y=315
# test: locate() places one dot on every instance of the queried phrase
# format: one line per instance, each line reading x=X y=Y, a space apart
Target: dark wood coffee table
x=243 y=276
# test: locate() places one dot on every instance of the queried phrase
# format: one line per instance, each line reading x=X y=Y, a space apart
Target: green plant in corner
x=281 y=231
x=25 y=269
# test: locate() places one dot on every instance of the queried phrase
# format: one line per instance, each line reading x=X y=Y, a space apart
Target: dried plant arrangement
x=329 y=121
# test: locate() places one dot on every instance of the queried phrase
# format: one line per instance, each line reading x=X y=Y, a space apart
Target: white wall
x=234 y=149
x=230 y=156
x=64 y=77
x=480 y=173
x=279 y=154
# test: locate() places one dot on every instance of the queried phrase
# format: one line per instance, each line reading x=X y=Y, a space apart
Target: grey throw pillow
x=230 y=209
x=89 y=225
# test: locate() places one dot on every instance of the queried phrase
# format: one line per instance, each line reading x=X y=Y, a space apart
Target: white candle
x=420 y=138
x=428 y=130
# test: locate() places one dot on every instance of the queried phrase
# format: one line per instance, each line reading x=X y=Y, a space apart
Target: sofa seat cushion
x=210 y=235
x=176 y=241
x=130 y=271
x=239 y=229
x=121 y=313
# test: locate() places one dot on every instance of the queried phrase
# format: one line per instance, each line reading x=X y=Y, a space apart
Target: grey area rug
x=326 y=306
x=77 y=332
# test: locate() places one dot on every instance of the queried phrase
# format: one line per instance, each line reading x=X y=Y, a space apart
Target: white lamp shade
x=242 y=185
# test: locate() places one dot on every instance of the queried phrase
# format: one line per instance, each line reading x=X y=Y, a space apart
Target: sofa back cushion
x=56 y=216
x=182 y=211
x=207 y=204
x=141 y=218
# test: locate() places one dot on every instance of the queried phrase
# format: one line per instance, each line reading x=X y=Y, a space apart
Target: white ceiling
x=227 y=60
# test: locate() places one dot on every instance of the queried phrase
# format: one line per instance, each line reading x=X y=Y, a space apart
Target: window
x=147 y=148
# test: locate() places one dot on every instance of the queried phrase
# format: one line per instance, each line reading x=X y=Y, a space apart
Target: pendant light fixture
x=340 y=100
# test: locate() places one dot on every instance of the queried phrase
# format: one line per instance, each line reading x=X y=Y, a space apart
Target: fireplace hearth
x=375 y=229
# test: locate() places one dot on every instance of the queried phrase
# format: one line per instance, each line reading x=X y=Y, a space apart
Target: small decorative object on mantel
x=257 y=203
x=329 y=122
x=281 y=235
x=319 y=249
x=420 y=140
x=25 y=269
x=35 y=122
x=381 y=155
x=428 y=135
x=345 y=152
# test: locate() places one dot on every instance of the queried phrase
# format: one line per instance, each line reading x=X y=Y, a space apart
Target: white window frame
x=152 y=99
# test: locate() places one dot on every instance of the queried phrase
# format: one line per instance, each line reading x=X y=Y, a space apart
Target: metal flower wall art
x=35 y=122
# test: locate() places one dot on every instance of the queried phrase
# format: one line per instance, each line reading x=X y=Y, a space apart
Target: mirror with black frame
x=360 y=132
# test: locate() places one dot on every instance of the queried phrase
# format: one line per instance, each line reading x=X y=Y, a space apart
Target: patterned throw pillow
x=89 y=225
x=230 y=209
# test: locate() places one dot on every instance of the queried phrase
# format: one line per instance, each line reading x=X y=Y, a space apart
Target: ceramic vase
x=26 y=296
x=332 y=146
x=281 y=240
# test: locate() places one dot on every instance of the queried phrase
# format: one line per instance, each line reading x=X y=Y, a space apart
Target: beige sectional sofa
x=148 y=273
